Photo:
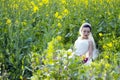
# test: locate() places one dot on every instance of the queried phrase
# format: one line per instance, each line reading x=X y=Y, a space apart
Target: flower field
x=37 y=38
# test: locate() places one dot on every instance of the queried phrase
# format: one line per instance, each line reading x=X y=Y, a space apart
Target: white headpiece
x=90 y=35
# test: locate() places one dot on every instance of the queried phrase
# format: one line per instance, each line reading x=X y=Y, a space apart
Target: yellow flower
x=106 y=57
x=59 y=17
x=108 y=1
x=56 y=14
x=109 y=44
x=32 y=3
x=21 y=77
x=8 y=21
x=100 y=34
x=69 y=53
x=107 y=65
x=65 y=12
x=63 y=1
x=59 y=38
x=40 y=3
x=83 y=21
x=59 y=25
x=15 y=6
x=45 y=1
x=50 y=48
x=25 y=8
x=104 y=46
x=86 y=3
x=35 y=8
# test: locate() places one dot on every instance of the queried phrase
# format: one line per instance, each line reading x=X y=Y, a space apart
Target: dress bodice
x=81 y=46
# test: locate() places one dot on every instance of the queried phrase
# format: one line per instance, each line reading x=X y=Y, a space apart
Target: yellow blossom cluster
x=64 y=13
x=15 y=6
x=57 y=15
x=59 y=25
x=45 y=1
x=107 y=65
x=35 y=7
x=63 y=1
x=108 y=45
x=107 y=57
x=8 y=21
x=59 y=38
x=100 y=34
x=60 y=15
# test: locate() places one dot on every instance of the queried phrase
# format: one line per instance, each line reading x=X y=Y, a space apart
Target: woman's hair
x=87 y=26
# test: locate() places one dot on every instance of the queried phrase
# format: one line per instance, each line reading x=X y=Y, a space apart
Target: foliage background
x=33 y=33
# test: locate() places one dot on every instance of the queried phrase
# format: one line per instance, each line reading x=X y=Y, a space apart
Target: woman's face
x=85 y=32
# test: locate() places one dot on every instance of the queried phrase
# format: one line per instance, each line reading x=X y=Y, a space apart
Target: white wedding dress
x=81 y=48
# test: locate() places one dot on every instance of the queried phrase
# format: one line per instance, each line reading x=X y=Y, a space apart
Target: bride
x=85 y=44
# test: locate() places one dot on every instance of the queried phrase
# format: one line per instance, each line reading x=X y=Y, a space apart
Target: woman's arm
x=90 y=49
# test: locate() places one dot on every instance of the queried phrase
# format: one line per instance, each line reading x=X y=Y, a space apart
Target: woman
x=85 y=45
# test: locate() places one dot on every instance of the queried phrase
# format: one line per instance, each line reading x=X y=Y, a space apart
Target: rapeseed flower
x=40 y=3
x=35 y=8
x=59 y=17
x=45 y=1
x=100 y=34
x=107 y=57
x=21 y=77
x=107 y=65
x=108 y=1
x=15 y=6
x=50 y=48
x=56 y=14
x=63 y=1
x=8 y=21
x=59 y=38
x=26 y=8
x=104 y=46
x=59 y=25
x=109 y=44
x=32 y=3
x=86 y=3
x=65 y=12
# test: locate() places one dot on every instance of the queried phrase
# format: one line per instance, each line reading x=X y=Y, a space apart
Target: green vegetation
x=35 y=36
